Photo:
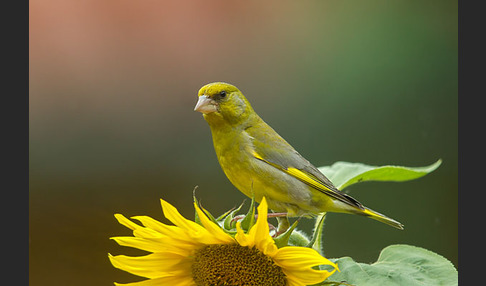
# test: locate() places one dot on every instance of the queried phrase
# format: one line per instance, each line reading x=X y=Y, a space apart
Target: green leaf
x=283 y=239
x=249 y=220
x=344 y=174
x=398 y=265
x=196 y=216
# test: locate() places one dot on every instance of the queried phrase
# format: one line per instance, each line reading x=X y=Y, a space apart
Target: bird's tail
x=381 y=218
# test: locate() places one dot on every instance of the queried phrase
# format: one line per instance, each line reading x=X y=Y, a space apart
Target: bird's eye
x=222 y=94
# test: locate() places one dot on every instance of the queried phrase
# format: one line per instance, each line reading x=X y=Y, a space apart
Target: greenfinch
x=260 y=163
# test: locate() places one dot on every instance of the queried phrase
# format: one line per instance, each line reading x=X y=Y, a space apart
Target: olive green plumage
x=259 y=162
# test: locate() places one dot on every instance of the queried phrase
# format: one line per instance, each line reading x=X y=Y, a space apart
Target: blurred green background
x=113 y=85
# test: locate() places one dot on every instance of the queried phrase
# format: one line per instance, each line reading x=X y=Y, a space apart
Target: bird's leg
x=270 y=215
x=277 y=215
x=283 y=224
x=238 y=217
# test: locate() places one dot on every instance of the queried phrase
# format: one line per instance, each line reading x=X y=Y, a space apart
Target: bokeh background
x=112 y=129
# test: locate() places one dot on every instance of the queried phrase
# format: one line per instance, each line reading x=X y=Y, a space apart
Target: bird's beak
x=206 y=105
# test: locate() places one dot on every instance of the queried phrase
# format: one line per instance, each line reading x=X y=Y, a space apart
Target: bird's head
x=222 y=101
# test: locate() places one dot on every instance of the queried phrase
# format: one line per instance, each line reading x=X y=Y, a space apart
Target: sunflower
x=188 y=253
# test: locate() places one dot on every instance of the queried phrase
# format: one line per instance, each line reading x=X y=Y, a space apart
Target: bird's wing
x=271 y=148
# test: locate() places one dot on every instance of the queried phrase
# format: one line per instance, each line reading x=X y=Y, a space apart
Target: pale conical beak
x=206 y=105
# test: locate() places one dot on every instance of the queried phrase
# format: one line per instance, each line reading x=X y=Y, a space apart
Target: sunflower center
x=235 y=265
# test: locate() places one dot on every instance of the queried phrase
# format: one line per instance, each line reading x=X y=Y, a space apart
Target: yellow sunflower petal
x=174 y=235
x=300 y=257
x=147 y=233
x=172 y=214
x=308 y=277
x=153 y=245
x=241 y=237
x=217 y=234
x=138 y=230
x=167 y=230
x=150 y=266
x=260 y=231
x=297 y=263
x=157 y=225
x=137 y=242
x=126 y=222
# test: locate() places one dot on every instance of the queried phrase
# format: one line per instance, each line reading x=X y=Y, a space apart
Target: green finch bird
x=259 y=162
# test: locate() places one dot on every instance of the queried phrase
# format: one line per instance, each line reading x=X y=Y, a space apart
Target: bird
x=260 y=163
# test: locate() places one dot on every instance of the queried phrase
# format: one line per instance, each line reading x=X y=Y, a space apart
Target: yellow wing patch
x=306 y=178
x=312 y=181
x=256 y=155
